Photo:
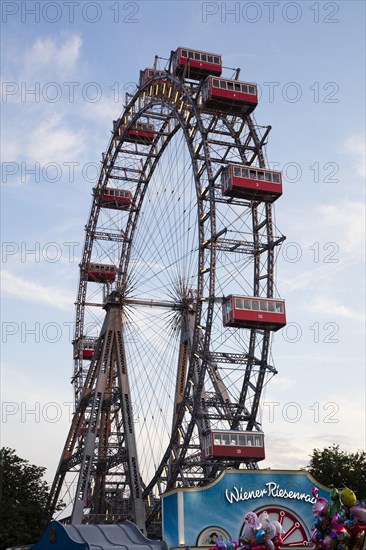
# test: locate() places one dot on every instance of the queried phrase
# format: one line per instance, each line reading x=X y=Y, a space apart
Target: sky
x=65 y=69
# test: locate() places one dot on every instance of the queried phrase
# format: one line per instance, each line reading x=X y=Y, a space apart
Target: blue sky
x=308 y=60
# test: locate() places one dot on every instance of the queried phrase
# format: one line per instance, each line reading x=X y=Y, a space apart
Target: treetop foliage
x=23 y=500
x=336 y=468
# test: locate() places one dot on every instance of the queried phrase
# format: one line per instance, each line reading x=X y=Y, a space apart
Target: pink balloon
x=358 y=513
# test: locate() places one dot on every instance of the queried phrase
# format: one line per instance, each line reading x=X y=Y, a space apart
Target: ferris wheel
x=176 y=302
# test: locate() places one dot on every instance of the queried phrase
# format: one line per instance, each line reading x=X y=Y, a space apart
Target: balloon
x=260 y=536
x=340 y=525
x=230 y=545
x=335 y=504
x=337 y=523
x=270 y=530
x=348 y=497
x=249 y=532
x=356 y=526
x=251 y=526
x=329 y=543
x=358 y=514
x=279 y=528
x=252 y=519
x=320 y=508
x=261 y=532
x=264 y=518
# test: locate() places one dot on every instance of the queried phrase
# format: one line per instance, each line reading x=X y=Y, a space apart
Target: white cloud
x=59 y=54
x=321 y=421
x=51 y=135
x=283 y=383
x=307 y=279
x=330 y=307
x=36 y=408
x=355 y=146
x=53 y=141
x=105 y=110
x=340 y=223
x=346 y=221
x=283 y=452
x=51 y=59
x=29 y=291
x=50 y=140
x=334 y=244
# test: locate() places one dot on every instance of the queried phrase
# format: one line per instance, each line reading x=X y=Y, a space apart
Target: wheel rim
x=178 y=250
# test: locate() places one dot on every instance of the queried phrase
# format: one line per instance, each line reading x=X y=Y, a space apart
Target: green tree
x=23 y=505
x=336 y=468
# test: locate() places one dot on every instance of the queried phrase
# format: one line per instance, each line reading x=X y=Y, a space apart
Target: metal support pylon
x=101 y=444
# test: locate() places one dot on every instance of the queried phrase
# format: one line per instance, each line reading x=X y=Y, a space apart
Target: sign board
x=191 y=515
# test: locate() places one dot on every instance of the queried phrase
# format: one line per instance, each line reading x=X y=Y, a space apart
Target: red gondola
x=148 y=74
x=117 y=199
x=229 y=96
x=233 y=444
x=251 y=183
x=84 y=348
x=88 y=347
x=252 y=312
x=199 y=64
x=141 y=132
x=88 y=354
x=101 y=273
